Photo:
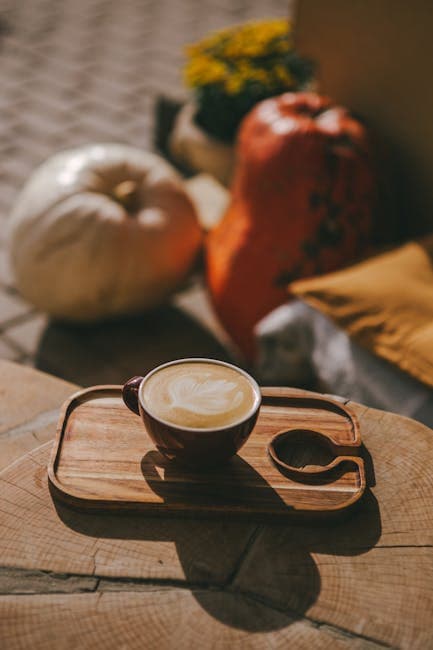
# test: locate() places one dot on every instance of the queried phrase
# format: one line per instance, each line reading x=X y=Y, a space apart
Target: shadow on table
x=256 y=577
x=110 y=352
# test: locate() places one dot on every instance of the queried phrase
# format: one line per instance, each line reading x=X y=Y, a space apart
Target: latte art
x=204 y=395
x=198 y=394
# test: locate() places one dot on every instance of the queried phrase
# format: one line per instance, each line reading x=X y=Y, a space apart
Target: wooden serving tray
x=103 y=459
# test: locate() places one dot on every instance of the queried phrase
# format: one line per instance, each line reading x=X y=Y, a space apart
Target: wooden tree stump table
x=72 y=580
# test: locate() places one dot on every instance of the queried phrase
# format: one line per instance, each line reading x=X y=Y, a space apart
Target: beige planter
x=190 y=145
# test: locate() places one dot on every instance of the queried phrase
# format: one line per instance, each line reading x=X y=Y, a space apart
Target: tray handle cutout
x=308 y=456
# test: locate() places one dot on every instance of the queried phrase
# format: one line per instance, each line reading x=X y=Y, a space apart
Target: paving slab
x=81 y=71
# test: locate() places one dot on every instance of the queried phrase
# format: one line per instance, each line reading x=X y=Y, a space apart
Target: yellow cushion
x=385 y=304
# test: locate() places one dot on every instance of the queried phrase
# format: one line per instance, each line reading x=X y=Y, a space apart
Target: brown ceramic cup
x=188 y=445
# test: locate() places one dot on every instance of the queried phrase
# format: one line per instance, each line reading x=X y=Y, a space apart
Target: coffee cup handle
x=130 y=393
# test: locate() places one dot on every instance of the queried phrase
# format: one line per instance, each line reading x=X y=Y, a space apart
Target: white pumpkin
x=102 y=230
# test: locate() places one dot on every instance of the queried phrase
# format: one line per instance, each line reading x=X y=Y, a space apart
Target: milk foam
x=204 y=395
x=198 y=394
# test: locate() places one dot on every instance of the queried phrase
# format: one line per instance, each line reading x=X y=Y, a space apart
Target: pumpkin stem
x=126 y=194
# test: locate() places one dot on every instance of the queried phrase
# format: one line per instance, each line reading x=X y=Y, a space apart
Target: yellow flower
x=235 y=56
x=252 y=73
x=282 y=75
x=194 y=49
x=254 y=39
x=203 y=70
x=234 y=84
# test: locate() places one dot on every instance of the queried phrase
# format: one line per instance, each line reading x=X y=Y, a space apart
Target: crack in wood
x=315 y=623
x=25 y=582
x=243 y=556
x=38 y=422
x=379 y=546
x=16 y=581
x=21 y=488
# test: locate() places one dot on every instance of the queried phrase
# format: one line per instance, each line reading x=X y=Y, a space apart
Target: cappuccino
x=199 y=394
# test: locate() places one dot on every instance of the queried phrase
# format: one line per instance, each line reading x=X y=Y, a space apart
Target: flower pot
x=189 y=144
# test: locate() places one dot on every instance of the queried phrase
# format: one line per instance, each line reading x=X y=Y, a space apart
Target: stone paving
x=79 y=71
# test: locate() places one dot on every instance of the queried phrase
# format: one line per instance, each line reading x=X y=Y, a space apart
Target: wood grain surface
x=83 y=580
x=29 y=409
x=104 y=459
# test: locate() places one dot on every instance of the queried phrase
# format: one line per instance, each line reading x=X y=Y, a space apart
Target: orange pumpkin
x=302 y=203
